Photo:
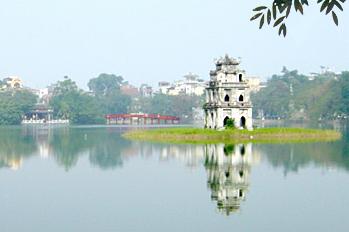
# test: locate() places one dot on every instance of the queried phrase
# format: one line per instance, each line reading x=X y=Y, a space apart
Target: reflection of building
x=228 y=169
x=13 y=163
x=228 y=96
x=191 y=155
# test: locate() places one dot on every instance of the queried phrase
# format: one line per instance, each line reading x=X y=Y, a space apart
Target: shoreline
x=262 y=135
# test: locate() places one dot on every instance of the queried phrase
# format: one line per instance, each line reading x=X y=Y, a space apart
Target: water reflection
x=14 y=147
x=65 y=145
x=228 y=170
x=228 y=167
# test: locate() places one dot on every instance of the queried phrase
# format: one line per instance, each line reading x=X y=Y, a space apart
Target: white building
x=255 y=84
x=190 y=85
x=164 y=86
x=228 y=96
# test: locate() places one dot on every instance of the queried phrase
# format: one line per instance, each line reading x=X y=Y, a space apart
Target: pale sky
x=156 y=40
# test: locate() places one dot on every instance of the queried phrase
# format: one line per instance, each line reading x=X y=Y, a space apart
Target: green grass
x=263 y=135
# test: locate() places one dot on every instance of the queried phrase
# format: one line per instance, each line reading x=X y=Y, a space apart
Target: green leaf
x=255 y=16
x=288 y=10
x=282 y=7
x=298 y=6
x=260 y=8
x=335 y=18
x=261 y=22
x=324 y=5
x=305 y=2
x=330 y=7
x=277 y=22
x=274 y=11
x=339 y=6
x=283 y=30
x=269 y=17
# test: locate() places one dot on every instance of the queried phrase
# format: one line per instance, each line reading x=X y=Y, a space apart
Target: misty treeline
x=287 y=96
x=295 y=96
x=68 y=101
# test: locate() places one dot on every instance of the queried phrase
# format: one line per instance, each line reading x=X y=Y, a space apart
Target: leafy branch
x=280 y=10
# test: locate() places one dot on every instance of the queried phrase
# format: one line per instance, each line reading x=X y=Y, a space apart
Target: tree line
x=105 y=96
x=295 y=96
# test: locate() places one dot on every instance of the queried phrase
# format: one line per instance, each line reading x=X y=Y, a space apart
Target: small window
x=241 y=98
x=240 y=77
x=226 y=98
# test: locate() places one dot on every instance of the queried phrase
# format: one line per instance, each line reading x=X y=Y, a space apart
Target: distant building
x=164 y=86
x=191 y=85
x=129 y=90
x=146 y=90
x=228 y=96
x=12 y=82
x=255 y=84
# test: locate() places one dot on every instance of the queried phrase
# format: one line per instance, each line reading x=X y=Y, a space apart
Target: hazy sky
x=153 y=40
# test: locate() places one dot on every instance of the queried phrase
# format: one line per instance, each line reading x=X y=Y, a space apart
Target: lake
x=91 y=179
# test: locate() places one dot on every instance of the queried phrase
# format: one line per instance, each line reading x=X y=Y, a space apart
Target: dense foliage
x=106 y=97
x=106 y=90
x=280 y=10
x=295 y=96
x=13 y=105
x=71 y=103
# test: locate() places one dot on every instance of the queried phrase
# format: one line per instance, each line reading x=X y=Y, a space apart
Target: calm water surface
x=90 y=179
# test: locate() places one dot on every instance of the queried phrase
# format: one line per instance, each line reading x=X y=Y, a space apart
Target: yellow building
x=12 y=82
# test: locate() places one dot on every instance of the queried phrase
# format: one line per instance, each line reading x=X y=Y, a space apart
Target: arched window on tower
x=243 y=122
x=241 y=98
x=226 y=98
x=240 y=77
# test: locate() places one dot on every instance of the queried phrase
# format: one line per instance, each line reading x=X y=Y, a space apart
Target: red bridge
x=140 y=119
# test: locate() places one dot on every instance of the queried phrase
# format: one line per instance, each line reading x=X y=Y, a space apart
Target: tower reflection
x=228 y=170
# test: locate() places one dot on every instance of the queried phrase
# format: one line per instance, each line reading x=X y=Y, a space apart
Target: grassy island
x=263 y=135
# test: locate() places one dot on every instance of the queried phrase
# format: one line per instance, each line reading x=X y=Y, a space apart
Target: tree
x=280 y=10
x=106 y=88
x=14 y=104
x=230 y=124
x=71 y=103
x=105 y=84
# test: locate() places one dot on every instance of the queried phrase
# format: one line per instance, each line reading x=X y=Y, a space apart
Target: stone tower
x=228 y=96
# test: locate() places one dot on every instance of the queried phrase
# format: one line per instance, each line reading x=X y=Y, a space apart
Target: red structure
x=140 y=119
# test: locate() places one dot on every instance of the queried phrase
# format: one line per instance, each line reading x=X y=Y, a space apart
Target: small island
x=262 y=135
x=228 y=116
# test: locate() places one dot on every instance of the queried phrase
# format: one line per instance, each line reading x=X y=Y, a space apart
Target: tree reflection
x=228 y=170
x=103 y=146
x=65 y=144
x=14 y=147
x=106 y=153
x=293 y=157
